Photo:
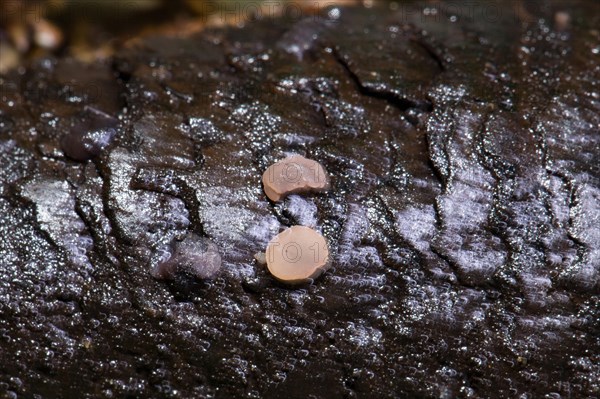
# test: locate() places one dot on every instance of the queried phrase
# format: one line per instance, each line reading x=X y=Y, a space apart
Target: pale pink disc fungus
x=294 y=174
x=297 y=255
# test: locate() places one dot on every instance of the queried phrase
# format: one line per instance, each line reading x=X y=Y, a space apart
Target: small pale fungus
x=297 y=255
x=294 y=174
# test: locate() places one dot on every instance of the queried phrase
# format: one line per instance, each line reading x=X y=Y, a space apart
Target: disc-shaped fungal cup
x=297 y=255
x=294 y=174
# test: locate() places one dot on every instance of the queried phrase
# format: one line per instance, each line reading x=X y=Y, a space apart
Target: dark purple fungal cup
x=92 y=131
x=194 y=256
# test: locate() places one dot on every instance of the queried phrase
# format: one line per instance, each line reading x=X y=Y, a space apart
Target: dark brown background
x=463 y=145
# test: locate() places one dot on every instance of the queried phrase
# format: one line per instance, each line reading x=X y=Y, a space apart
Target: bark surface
x=463 y=216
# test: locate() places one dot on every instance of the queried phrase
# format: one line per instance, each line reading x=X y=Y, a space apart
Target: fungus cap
x=294 y=174
x=91 y=132
x=194 y=256
x=297 y=255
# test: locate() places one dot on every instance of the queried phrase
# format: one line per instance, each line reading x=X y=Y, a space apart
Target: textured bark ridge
x=463 y=216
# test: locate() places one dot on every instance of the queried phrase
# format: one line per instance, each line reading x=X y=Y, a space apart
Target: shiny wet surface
x=464 y=213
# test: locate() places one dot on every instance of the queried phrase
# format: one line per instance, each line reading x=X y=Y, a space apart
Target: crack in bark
x=183 y=191
x=430 y=51
x=400 y=102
